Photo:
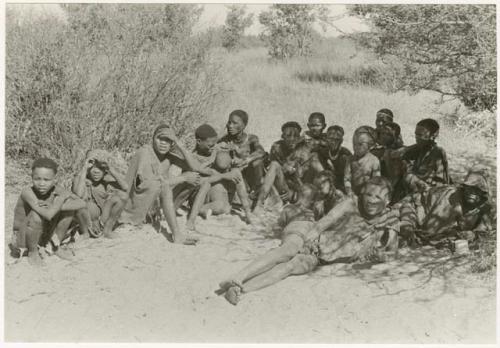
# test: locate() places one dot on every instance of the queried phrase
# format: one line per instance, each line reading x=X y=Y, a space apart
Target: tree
x=288 y=29
x=450 y=49
x=234 y=28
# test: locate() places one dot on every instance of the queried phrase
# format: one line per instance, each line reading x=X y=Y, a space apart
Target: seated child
x=334 y=156
x=328 y=195
x=426 y=162
x=363 y=165
x=446 y=213
x=389 y=153
x=385 y=116
x=281 y=168
x=295 y=222
x=314 y=136
x=217 y=192
x=44 y=213
x=204 y=152
x=245 y=149
x=148 y=180
x=104 y=190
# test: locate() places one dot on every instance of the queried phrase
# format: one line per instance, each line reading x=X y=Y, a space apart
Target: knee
x=34 y=220
x=303 y=263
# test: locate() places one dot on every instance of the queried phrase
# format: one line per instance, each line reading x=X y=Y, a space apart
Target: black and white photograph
x=250 y=173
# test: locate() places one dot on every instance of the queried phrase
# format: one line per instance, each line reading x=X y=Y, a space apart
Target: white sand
x=141 y=288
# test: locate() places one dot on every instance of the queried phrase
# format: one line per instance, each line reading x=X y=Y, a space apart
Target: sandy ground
x=141 y=288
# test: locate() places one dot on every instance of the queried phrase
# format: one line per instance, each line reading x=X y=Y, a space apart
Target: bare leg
x=241 y=191
x=197 y=204
x=117 y=205
x=300 y=264
x=84 y=220
x=167 y=204
x=60 y=232
x=33 y=232
x=290 y=248
x=268 y=182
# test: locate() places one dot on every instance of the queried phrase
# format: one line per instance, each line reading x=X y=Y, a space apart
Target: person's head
x=307 y=195
x=162 y=141
x=375 y=196
x=388 y=133
x=383 y=116
x=206 y=138
x=426 y=131
x=316 y=124
x=97 y=171
x=476 y=189
x=363 y=140
x=223 y=161
x=325 y=182
x=238 y=120
x=334 y=137
x=290 y=133
x=43 y=174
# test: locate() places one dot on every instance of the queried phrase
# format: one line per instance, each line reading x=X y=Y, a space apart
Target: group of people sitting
x=338 y=205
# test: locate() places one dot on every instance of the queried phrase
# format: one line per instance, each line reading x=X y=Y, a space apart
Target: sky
x=213 y=15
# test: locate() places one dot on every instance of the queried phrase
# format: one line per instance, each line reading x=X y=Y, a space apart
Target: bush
x=105 y=79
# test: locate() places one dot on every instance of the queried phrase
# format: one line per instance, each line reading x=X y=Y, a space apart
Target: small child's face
x=374 y=199
x=423 y=136
x=290 y=136
x=235 y=125
x=334 y=140
x=324 y=185
x=385 y=136
x=382 y=120
x=206 y=146
x=316 y=127
x=306 y=195
x=96 y=174
x=162 y=144
x=43 y=179
x=361 y=144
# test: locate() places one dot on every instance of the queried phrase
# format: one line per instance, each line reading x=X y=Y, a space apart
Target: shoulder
x=439 y=152
x=224 y=139
x=252 y=138
x=345 y=152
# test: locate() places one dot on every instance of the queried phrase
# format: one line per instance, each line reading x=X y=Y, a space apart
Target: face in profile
x=361 y=144
x=235 y=125
x=423 y=136
x=162 y=144
x=334 y=139
x=96 y=173
x=316 y=127
x=43 y=179
x=206 y=146
x=290 y=137
x=374 y=199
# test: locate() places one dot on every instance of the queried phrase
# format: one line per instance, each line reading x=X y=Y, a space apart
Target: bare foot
x=190 y=226
x=185 y=240
x=233 y=295
x=111 y=235
x=65 y=253
x=259 y=210
x=252 y=219
x=35 y=260
x=226 y=284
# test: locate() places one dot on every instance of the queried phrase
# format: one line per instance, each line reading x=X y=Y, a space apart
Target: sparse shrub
x=236 y=22
x=105 y=79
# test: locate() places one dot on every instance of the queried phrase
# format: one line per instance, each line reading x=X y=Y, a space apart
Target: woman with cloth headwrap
x=148 y=181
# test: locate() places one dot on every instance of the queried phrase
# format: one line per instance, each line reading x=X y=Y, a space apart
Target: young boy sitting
x=295 y=221
x=104 y=190
x=426 y=162
x=204 y=152
x=245 y=149
x=329 y=195
x=335 y=157
x=281 y=168
x=44 y=213
x=363 y=165
x=314 y=136
x=217 y=192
